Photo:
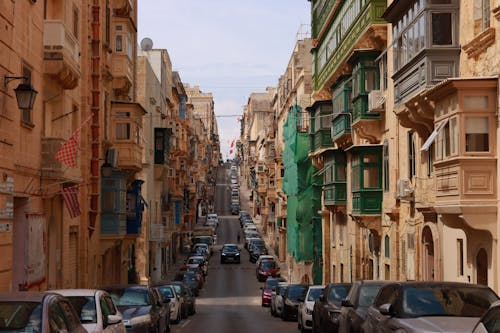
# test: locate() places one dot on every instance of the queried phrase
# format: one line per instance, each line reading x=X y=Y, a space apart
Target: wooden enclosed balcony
x=61 y=54
x=123 y=73
x=335 y=194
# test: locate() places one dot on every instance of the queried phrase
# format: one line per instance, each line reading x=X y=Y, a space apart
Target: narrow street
x=230 y=299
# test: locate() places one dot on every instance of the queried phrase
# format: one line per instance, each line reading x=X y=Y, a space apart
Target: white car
x=199 y=260
x=277 y=299
x=249 y=227
x=263 y=257
x=213 y=218
x=305 y=310
x=168 y=291
x=92 y=305
x=490 y=321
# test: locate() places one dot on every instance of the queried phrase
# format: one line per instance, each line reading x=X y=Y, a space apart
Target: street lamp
x=25 y=93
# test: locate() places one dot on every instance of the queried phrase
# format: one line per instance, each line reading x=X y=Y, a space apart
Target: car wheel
x=193 y=309
x=178 y=317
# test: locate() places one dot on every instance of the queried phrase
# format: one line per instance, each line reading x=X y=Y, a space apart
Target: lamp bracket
x=7 y=79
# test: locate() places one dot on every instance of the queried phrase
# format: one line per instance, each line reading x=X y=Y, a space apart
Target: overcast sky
x=230 y=48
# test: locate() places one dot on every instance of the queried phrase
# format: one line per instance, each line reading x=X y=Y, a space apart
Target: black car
x=326 y=309
x=235 y=208
x=141 y=308
x=230 y=253
x=256 y=250
x=189 y=279
x=294 y=294
x=355 y=306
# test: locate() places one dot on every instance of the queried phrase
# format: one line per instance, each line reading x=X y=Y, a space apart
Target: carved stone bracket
x=496 y=12
x=480 y=43
x=369 y=130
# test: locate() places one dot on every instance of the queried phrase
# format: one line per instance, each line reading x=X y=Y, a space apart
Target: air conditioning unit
x=112 y=157
x=405 y=190
x=376 y=100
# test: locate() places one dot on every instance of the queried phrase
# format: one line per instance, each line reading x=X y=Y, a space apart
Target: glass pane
x=371 y=177
x=355 y=178
x=476 y=134
x=370 y=159
x=370 y=81
x=453 y=136
x=476 y=102
x=341 y=174
x=441 y=29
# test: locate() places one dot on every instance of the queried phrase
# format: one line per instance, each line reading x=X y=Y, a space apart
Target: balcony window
x=365 y=76
x=366 y=167
x=160 y=145
x=442 y=29
x=476 y=134
x=129 y=47
x=385 y=152
x=119 y=43
x=447 y=140
x=122 y=131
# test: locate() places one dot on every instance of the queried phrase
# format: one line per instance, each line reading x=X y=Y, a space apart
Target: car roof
x=77 y=292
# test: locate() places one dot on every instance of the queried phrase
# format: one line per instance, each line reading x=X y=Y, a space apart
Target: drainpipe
x=95 y=93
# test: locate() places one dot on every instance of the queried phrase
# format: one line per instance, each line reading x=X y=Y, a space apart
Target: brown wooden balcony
x=61 y=54
x=261 y=188
x=52 y=169
x=123 y=73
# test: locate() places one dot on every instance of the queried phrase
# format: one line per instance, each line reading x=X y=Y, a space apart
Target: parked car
x=209 y=240
x=197 y=270
x=140 y=308
x=264 y=257
x=198 y=260
x=326 y=308
x=277 y=299
x=490 y=321
x=235 y=208
x=38 y=312
x=256 y=249
x=230 y=253
x=96 y=309
x=267 y=290
x=294 y=294
x=213 y=218
x=189 y=279
x=304 y=319
x=168 y=292
x=184 y=293
x=267 y=268
x=428 y=306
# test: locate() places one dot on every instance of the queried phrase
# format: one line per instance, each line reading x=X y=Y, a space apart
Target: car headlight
x=223 y=254
x=309 y=311
x=334 y=316
x=236 y=254
x=140 y=320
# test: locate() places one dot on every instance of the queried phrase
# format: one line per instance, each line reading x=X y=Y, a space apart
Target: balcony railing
x=367 y=202
x=321 y=139
x=341 y=126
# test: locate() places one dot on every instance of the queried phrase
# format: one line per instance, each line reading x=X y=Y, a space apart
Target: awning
x=433 y=135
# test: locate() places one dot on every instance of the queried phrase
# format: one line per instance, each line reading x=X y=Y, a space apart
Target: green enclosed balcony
x=365 y=78
x=356 y=24
x=334 y=178
x=321 y=114
x=366 y=180
x=341 y=100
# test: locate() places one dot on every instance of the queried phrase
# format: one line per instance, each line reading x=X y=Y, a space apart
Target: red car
x=267 y=268
x=268 y=288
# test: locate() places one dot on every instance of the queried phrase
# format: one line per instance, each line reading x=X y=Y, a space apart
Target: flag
x=67 y=153
x=232 y=144
x=70 y=196
x=238 y=119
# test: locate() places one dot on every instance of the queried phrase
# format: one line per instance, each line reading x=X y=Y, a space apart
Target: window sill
x=480 y=43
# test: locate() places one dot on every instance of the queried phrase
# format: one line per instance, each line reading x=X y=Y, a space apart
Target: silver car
x=428 y=307
x=277 y=299
x=96 y=309
x=490 y=321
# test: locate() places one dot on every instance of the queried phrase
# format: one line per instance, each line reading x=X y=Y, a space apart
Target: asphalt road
x=230 y=299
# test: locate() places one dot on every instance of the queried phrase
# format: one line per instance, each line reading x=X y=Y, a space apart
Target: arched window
x=387 y=246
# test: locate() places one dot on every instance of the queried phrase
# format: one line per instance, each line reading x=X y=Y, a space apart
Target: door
x=482 y=267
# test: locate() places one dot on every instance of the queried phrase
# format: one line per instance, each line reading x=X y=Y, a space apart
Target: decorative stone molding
x=496 y=12
x=480 y=43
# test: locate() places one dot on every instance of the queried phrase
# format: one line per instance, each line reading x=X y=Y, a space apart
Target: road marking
x=185 y=323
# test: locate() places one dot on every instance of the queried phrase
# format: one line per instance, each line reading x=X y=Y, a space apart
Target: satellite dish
x=146 y=44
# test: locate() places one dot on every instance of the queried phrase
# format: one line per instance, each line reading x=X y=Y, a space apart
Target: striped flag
x=70 y=196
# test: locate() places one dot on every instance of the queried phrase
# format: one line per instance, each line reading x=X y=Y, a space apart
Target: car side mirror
x=347 y=303
x=113 y=319
x=166 y=300
x=386 y=309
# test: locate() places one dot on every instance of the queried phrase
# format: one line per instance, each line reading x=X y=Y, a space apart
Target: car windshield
x=166 y=292
x=130 y=297
x=314 y=294
x=85 y=308
x=198 y=261
x=268 y=264
x=367 y=294
x=230 y=248
x=271 y=283
x=337 y=294
x=446 y=301
x=295 y=292
x=18 y=316
x=189 y=277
